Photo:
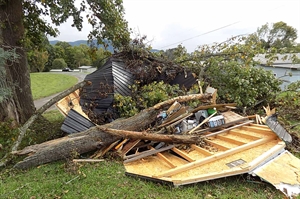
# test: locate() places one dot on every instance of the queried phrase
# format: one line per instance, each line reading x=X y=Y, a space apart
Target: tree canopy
x=279 y=36
x=23 y=28
x=106 y=18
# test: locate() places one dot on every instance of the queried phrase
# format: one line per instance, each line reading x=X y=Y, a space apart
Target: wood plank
x=230 y=140
x=201 y=150
x=103 y=151
x=127 y=147
x=219 y=146
x=260 y=125
x=146 y=153
x=210 y=176
x=209 y=130
x=214 y=157
x=257 y=130
x=268 y=154
x=165 y=159
x=121 y=144
x=226 y=130
x=177 y=114
x=183 y=154
x=237 y=132
x=176 y=120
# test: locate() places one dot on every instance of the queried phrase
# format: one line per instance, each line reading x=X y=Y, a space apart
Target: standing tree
x=16 y=16
x=279 y=36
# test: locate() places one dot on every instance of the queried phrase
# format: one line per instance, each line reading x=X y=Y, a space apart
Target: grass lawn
x=46 y=84
x=107 y=179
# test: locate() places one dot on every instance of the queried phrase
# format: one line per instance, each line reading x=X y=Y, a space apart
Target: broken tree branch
x=182 y=99
x=184 y=139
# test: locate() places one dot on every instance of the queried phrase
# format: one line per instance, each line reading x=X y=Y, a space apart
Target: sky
x=168 y=23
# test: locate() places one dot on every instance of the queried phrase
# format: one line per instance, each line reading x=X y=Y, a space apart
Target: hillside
x=79 y=42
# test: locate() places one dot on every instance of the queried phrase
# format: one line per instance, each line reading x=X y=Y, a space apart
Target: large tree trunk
x=16 y=102
x=102 y=136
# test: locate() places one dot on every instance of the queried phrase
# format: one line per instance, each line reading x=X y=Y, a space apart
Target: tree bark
x=100 y=136
x=17 y=103
x=23 y=129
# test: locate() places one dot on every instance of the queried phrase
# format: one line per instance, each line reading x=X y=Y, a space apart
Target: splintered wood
x=71 y=101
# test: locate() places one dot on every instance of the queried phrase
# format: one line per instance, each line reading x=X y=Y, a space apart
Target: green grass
x=46 y=84
x=108 y=180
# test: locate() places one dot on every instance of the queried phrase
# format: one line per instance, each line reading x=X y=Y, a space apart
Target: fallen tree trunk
x=95 y=137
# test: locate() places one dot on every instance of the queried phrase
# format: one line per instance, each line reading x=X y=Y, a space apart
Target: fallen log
x=95 y=137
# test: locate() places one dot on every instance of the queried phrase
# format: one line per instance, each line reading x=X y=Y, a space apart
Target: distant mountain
x=79 y=42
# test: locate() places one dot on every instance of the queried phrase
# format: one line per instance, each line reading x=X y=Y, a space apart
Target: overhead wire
x=208 y=32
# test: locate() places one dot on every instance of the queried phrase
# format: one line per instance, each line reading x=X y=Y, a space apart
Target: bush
x=243 y=85
x=59 y=63
x=144 y=97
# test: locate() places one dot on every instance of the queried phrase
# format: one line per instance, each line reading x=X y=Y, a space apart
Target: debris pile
x=208 y=142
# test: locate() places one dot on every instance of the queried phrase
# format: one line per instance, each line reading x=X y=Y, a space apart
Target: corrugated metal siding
x=75 y=122
x=94 y=96
x=122 y=78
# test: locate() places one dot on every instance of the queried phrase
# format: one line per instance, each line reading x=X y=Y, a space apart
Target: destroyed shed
x=207 y=143
x=183 y=145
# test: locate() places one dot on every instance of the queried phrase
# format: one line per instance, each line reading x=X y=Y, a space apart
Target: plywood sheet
x=214 y=163
x=283 y=172
x=71 y=101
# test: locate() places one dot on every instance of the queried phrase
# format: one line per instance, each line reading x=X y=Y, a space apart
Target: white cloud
x=192 y=22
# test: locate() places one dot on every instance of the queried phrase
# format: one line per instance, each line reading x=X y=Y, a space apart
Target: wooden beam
x=165 y=159
x=221 y=127
x=176 y=120
x=146 y=153
x=240 y=134
x=214 y=157
x=256 y=129
x=121 y=144
x=219 y=146
x=129 y=146
x=183 y=154
x=201 y=150
x=230 y=140
x=261 y=126
x=265 y=156
x=228 y=129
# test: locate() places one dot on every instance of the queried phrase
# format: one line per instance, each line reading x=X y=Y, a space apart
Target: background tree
x=66 y=53
x=279 y=36
x=99 y=57
x=106 y=18
x=81 y=56
x=229 y=67
x=59 y=63
x=37 y=60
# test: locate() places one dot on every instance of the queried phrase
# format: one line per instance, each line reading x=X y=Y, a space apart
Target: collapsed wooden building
x=186 y=145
